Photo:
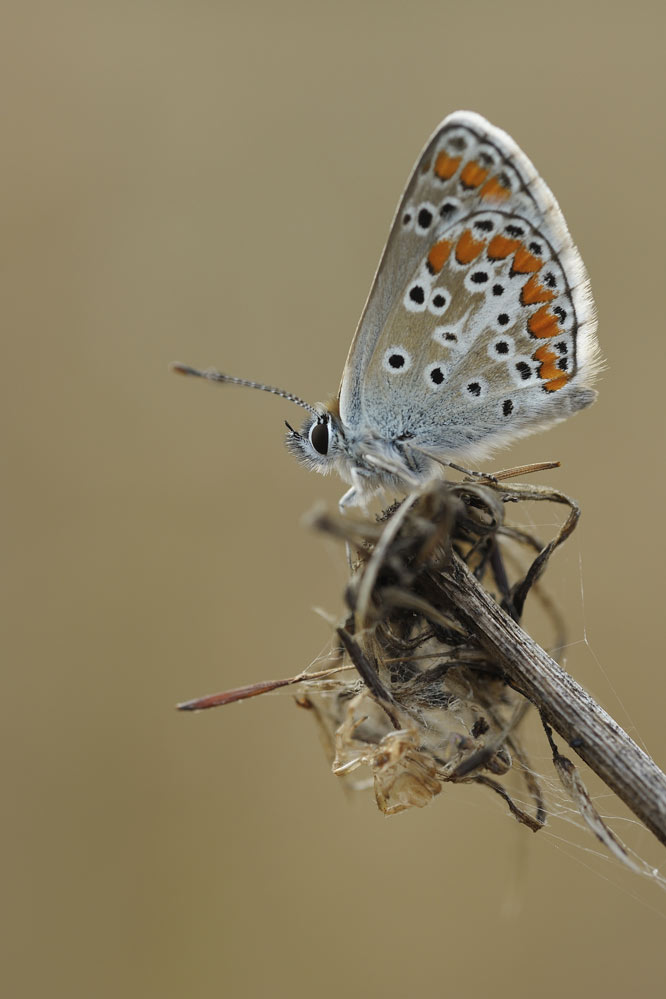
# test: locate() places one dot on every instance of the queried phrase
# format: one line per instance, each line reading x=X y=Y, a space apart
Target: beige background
x=213 y=182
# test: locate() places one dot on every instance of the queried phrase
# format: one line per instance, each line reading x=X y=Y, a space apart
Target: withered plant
x=430 y=674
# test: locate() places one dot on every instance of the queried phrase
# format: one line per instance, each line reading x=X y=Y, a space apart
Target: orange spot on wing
x=446 y=166
x=473 y=174
x=543 y=323
x=557 y=383
x=438 y=255
x=553 y=376
x=534 y=293
x=501 y=247
x=544 y=354
x=493 y=189
x=468 y=248
x=524 y=261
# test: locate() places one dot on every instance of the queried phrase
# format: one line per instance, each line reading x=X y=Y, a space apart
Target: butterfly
x=479 y=327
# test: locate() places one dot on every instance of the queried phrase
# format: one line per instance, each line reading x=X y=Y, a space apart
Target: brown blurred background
x=153 y=540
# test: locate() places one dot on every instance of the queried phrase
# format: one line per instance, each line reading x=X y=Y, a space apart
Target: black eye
x=319 y=437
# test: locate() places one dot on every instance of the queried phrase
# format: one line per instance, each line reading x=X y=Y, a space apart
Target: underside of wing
x=479 y=326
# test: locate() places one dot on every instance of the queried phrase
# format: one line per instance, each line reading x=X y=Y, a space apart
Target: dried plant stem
x=563 y=703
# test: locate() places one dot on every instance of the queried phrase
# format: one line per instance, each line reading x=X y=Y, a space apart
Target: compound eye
x=319 y=437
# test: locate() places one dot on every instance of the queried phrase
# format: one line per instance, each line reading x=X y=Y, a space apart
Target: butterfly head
x=320 y=444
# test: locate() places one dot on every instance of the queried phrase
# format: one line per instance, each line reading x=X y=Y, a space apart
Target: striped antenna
x=216 y=376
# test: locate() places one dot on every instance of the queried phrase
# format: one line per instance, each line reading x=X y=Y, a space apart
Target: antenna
x=216 y=376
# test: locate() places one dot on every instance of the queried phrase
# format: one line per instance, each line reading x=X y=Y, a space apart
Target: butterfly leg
x=471 y=473
x=356 y=496
x=349 y=499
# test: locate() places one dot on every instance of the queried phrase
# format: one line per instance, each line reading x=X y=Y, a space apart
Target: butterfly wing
x=479 y=326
